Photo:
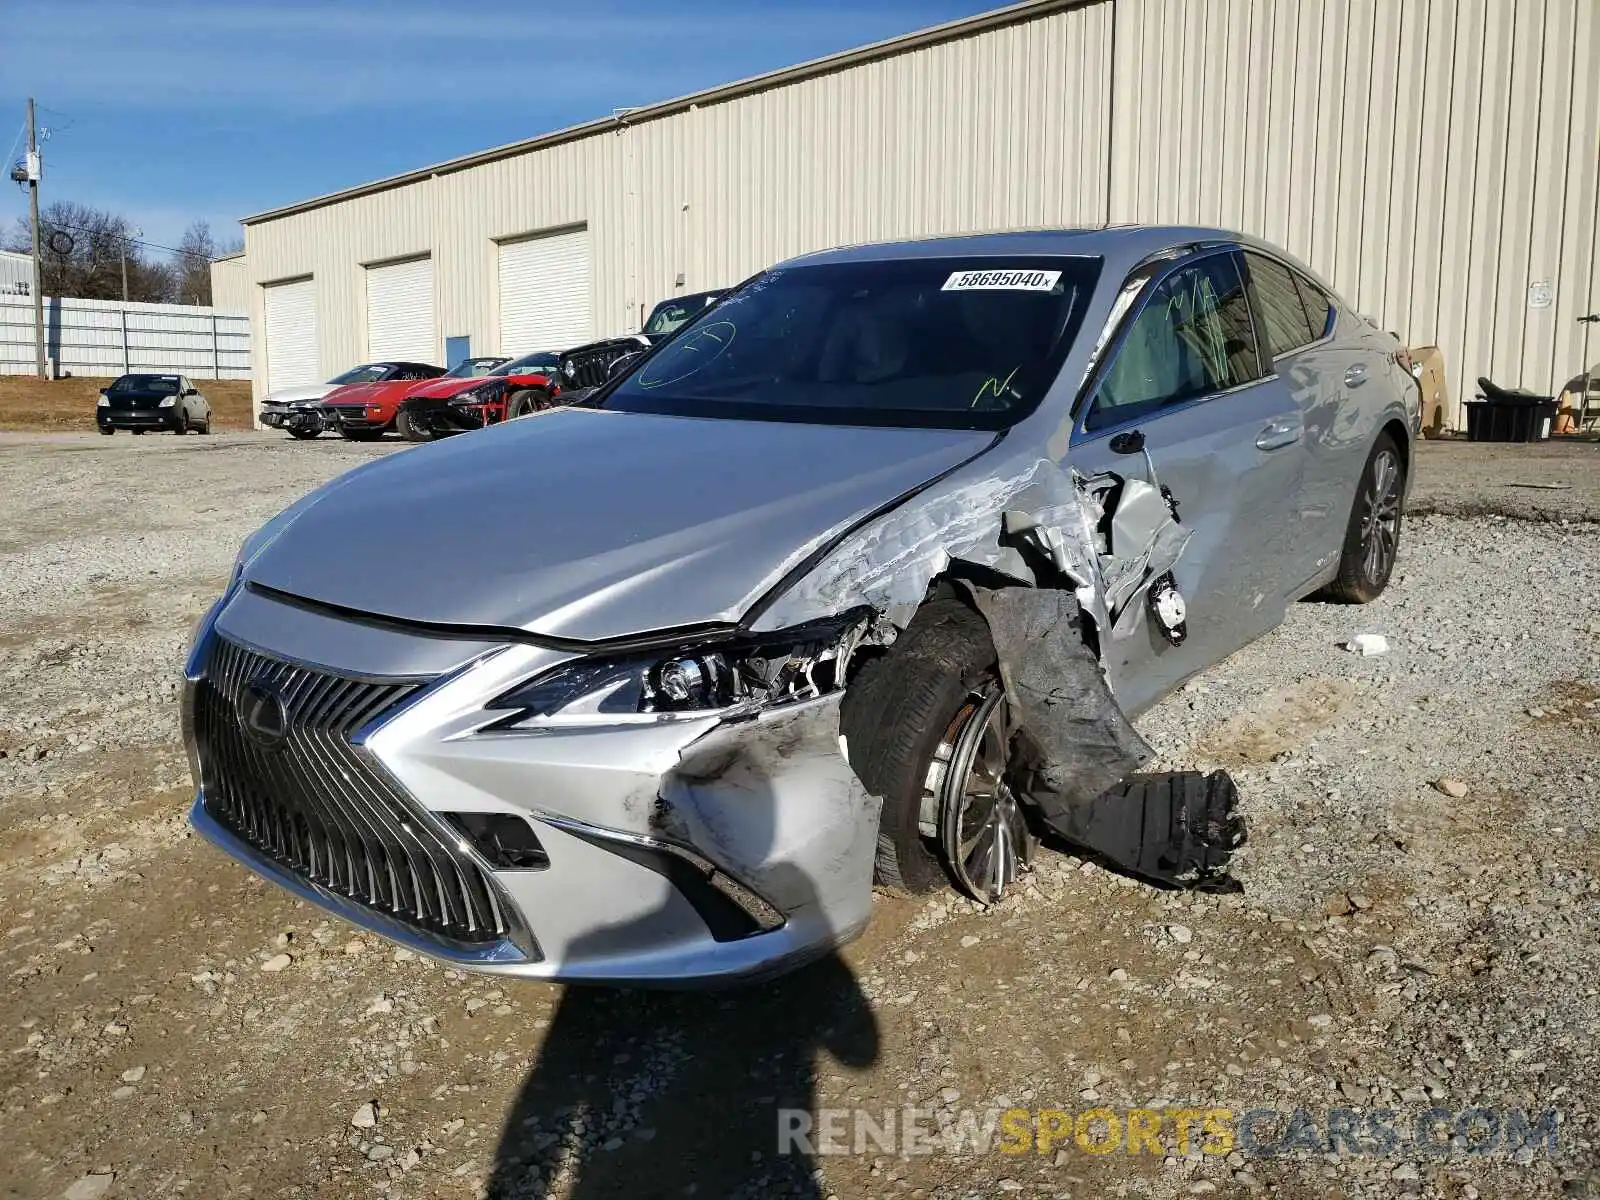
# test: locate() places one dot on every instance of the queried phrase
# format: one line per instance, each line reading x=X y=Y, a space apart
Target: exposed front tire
x=1372 y=538
x=409 y=430
x=106 y=430
x=926 y=729
x=522 y=403
x=304 y=435
x=182 y=427
x=361 y=435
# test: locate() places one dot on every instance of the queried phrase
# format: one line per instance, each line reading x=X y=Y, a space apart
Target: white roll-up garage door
x=544 y=293
x=400 y=312
x=291 y=335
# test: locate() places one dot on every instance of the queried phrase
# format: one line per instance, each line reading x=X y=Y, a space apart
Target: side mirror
x=623 y=363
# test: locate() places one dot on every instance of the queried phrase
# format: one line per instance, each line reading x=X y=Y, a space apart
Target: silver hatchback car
x=859 y=577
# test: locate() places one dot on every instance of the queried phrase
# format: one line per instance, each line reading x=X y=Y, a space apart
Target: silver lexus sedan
x=859 y=578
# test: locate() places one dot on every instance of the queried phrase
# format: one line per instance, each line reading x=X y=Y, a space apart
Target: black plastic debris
x=1174 y=828
x=1075 y=752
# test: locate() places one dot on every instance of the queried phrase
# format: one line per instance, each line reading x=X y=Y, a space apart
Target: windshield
x=967 y=343
x=370 y=373
x=539 y=360
x=473 y=368
x=671 y=315
x=161 y=385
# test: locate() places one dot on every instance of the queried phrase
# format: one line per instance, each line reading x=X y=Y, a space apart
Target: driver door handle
x=1285 y=432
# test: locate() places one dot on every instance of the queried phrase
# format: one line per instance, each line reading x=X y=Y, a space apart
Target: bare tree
x=192 y=263
x=82 y=250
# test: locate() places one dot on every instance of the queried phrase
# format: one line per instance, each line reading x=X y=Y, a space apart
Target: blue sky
x=167 y=111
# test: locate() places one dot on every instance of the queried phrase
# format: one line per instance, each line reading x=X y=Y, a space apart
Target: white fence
x=105 y=338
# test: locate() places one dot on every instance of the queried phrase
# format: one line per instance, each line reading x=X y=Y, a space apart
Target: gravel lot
x=172 y=1026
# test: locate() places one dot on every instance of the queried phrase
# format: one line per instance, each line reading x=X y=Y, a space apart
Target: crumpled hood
x=443 y=388
x=588 y=525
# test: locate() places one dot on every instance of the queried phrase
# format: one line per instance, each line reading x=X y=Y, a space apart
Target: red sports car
x=364 y=412
x=512 y=388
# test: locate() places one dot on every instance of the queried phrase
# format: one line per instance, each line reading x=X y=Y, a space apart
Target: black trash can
x=1501 y=415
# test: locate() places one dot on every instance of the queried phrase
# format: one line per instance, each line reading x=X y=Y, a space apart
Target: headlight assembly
x=478 y=395
x=738 y=677
x=168 y=402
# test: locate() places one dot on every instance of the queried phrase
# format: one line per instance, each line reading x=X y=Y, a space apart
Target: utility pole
x=38 y=269
x=122 y=253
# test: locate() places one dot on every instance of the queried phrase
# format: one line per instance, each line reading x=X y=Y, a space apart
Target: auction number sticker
x=1001 y=281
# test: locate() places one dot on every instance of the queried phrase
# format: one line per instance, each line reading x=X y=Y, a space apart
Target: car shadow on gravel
x=647 y=1093
x=681 y=1093
x=670 y=1094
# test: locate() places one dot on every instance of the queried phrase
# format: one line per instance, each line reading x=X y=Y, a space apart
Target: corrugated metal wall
x=230 y=284
x=1436 y=159
x=104 y=338
x=1005 y=127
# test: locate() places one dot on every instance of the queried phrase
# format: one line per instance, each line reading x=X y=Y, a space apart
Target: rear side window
x=1319 y=309
x=1284 y=324
x=1192 y=337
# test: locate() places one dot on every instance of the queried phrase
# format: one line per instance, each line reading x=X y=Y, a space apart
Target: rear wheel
x=926 y=729
x=1372 y=538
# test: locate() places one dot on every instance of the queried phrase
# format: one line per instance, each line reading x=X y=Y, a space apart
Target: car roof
x=1116 y=243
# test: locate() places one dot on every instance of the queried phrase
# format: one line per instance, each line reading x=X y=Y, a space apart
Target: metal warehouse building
x=1438 y=160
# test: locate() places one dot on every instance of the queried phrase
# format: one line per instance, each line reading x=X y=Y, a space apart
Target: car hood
x=368 y=393
x=443 y=389
x=588 y=524
x=298 y=395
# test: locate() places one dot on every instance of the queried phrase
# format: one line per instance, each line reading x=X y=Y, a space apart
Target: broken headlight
x=731 y=678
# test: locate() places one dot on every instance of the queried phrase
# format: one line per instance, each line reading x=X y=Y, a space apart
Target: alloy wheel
x=1380 y=518
x=981 y=827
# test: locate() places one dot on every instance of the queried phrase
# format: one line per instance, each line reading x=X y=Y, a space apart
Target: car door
x=1296 y=319
x=1186 y=391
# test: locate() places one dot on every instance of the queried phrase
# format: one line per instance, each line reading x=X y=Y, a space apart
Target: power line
x=17 y=141
x=112 y=233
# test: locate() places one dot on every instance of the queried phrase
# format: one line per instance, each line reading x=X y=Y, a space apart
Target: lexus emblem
x=264 y=714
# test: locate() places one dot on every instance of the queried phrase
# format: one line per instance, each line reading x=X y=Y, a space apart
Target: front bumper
x=301 y=420
x=681 y=853
x=353 y=419
x=137 y=418
x=449 y=418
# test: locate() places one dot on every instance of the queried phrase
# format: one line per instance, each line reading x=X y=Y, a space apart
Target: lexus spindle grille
x=279 y=771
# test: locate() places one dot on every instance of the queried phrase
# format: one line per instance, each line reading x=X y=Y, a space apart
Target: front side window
x=370 y=373
x=473 y=368
x=1192 y=337
x=539 y=360
x=670 y=316
x=962 y=343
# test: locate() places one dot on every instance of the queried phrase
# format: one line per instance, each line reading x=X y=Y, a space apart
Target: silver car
x=861 y=577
